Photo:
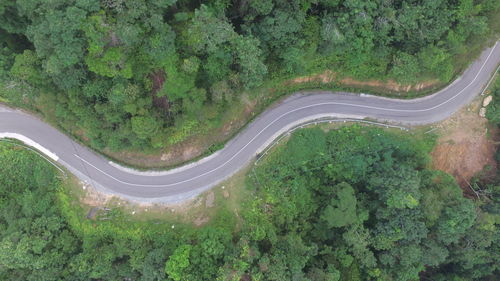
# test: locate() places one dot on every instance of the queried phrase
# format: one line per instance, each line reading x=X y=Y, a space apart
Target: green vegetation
x=493 y=109
x=43 y=236
x=136 y=74
x=366 y=201
x=356 y=203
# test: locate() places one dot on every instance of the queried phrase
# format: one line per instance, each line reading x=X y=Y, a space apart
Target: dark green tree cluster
x=142 y=74
x=350 y=204
x=476 y=254
x=360 y=204
x=37 y=242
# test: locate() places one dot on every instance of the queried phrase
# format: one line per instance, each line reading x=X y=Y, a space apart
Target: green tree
x=208 y=32
x=178 y=262
x=341 y=211
x=27 y=67
x=144 y=126
x=405 y=67
x=248 y=57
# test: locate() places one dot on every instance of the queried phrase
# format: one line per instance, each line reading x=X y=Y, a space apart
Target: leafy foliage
x=366 y=201
x=189 y=60
x=350 y=204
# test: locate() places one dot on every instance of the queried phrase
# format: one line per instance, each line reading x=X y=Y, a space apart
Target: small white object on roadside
x=133 y=212
x=482 y=112
x=222 y=187
x=173 y=226
x=487 y=100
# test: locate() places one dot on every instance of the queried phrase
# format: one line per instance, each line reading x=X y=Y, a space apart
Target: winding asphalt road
x=187 y=181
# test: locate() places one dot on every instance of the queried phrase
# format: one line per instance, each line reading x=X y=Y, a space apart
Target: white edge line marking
x=31 y=143
x=291 y=111
x=281 y=116
x=27 y=147
x=489 y=82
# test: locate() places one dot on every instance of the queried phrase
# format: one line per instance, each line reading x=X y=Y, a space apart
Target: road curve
x=187 y=181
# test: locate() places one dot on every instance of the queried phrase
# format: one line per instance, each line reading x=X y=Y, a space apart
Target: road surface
x=190 y=180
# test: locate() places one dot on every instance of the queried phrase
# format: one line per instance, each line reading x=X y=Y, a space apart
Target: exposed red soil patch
x=464 y=147
x=325 y=77
x=464 y=159
x=389 y=84
x=234 y=120
x=329 y=76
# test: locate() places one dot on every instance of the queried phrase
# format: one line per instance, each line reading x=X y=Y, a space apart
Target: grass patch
x=277 y=88
x=229 y=197
x=219 y=203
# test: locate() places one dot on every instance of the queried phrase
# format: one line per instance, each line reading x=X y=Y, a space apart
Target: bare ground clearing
x=464 y=146
x=329 y=76
x=198 y=211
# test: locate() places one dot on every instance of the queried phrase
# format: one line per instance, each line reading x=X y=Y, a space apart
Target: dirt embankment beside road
x=465 y=145
x=329 y=76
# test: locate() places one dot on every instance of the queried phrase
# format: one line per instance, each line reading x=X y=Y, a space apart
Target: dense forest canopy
x=142 y=74
x=366 y=208
x=350 y=204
